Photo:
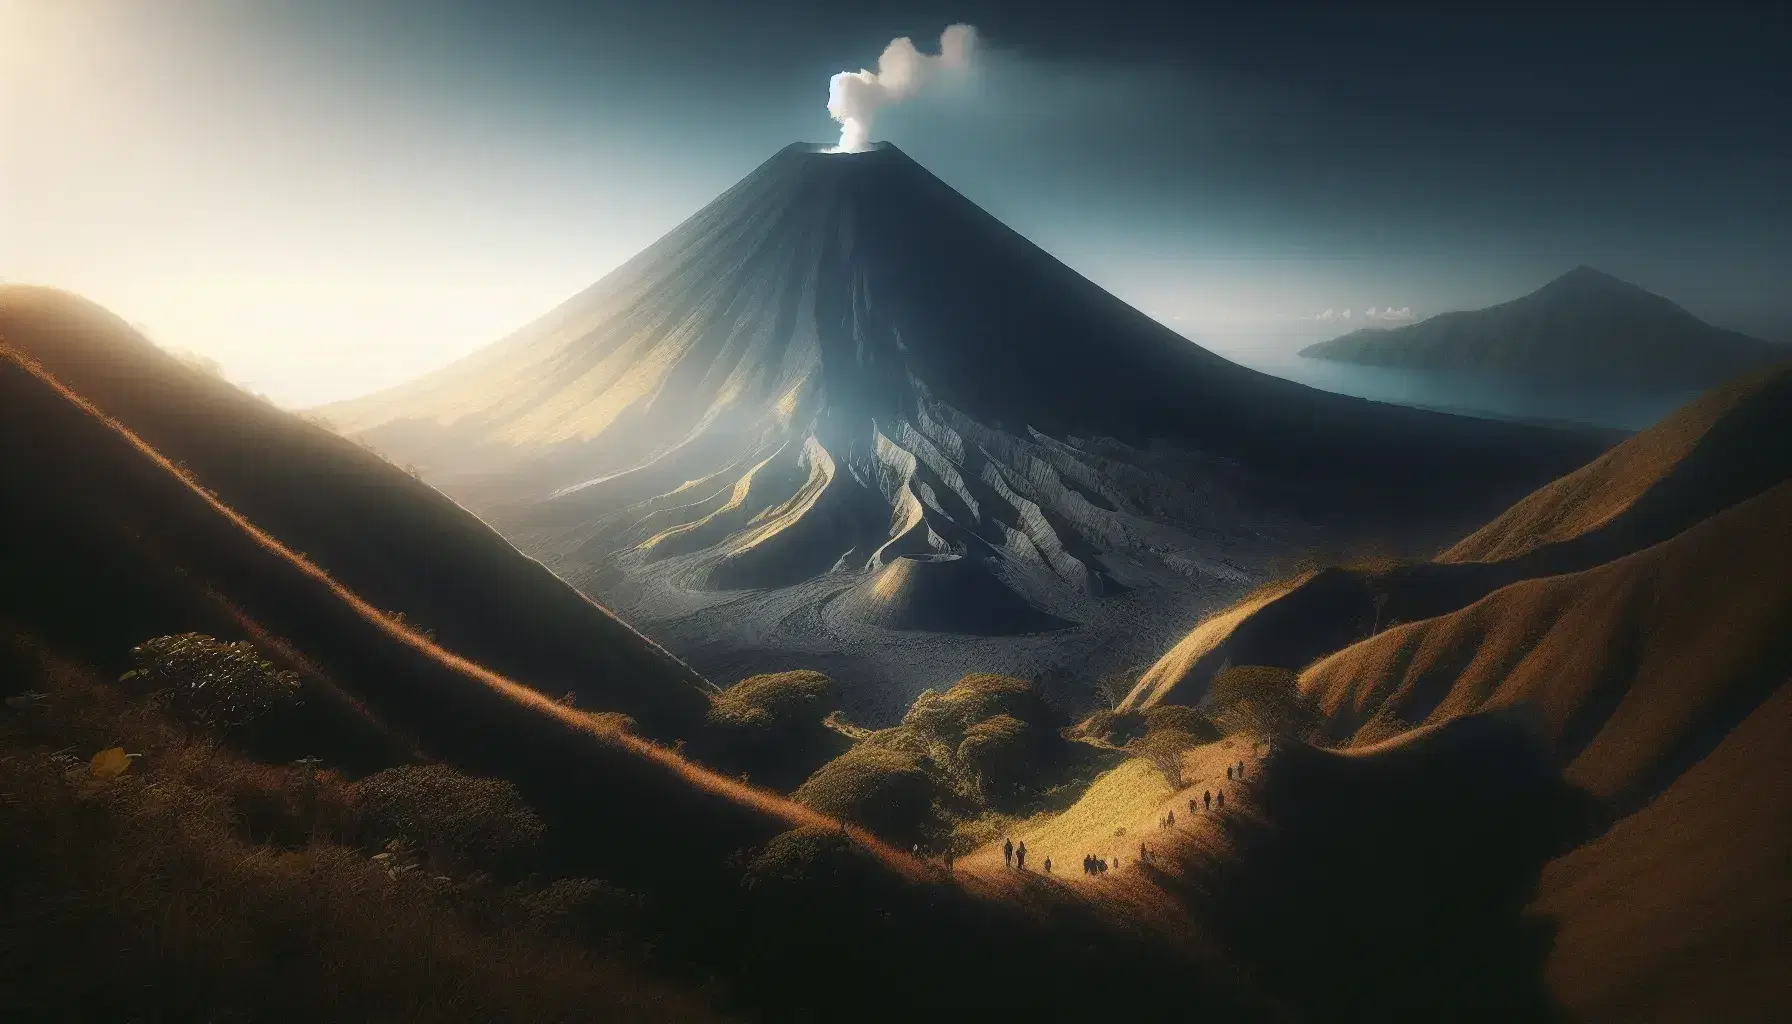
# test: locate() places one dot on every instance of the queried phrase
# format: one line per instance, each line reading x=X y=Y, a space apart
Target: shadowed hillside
x=792 y=914
x=1682 y=910
x=1636 y=669
x=1723 y=448
x=1389 y=883
x=387 y=536
x=1585 y=330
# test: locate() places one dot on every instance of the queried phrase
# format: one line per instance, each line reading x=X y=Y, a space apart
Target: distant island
x=1585 y=329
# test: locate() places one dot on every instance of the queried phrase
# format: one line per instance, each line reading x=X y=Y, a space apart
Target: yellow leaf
x=109 y=763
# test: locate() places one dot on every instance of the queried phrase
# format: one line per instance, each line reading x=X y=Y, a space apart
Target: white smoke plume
x=854 y=97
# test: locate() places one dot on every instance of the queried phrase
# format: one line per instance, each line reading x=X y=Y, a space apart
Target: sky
x=327 y=197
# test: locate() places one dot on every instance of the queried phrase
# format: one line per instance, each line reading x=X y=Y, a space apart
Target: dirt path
x=1122 y=809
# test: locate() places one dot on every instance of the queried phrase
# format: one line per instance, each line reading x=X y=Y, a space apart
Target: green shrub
x=997 y=755
x=775 y=727
x=218 y=686
x=586 y=909
x=884 y=790
x=778 y=698
x=457 y=820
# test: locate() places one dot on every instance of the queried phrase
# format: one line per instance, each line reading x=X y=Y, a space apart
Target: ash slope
x=841 y=362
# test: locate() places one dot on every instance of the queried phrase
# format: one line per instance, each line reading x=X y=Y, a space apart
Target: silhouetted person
x=1008 y=853
x=1228 y=772
x=1172 y=819
x=1207 y=798
x=1142 y=854
x=1020 y=856
x=1048 y=865
x=949 y=859
x=1241 y=769
x=1192 y=805
x=1221 y=800
x=1088 y=864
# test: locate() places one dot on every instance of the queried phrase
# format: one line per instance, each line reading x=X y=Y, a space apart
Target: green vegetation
x=890 y=791
x=989 y=746
x=220 y=687
x=774 y=728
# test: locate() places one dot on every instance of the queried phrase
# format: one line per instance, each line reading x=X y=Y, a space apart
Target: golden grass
x=1629 y=666
x=1609 y=486
x=1681 y=911
x=1120 y=809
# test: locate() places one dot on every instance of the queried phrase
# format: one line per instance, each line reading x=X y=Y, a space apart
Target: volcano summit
x=841 y=389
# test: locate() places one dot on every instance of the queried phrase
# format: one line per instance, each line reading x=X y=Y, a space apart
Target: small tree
x=1261 y=699
x=218 y=686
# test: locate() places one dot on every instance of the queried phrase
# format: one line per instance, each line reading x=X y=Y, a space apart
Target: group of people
x=1015 y=855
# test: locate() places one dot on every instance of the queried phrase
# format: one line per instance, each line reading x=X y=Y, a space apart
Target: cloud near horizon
x=1385 y=315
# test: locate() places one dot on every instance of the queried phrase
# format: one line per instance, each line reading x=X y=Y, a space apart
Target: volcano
x=842 y=386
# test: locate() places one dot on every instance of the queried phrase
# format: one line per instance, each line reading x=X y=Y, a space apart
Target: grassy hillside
x=393 y=540
x=1634 y=670
x=1727 y=445
x=1682 y=910
x=202 y=885
x=1723 y=448
x=791 y=914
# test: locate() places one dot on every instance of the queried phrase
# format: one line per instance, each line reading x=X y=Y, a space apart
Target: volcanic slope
x=389 y=537
x=108 y=542
x=1584 y=330
x=841 y=362
x=1722 y=448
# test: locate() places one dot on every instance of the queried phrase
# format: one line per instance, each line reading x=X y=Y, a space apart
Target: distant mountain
x=1585 y=329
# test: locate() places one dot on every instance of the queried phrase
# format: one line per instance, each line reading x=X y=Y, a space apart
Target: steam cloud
x=854 y=97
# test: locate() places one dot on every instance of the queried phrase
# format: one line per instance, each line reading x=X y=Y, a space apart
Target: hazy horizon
x=329 y=198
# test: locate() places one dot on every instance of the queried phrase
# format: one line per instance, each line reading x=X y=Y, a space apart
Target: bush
x=774 y=727
x=220 y=687
x=997 y=755
x=586 y=909
x=977 y=697
x=884 y=790
x=818 y=901
x=456 y=820
x=1262 y=699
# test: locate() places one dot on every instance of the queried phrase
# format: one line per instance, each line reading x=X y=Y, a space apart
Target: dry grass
x=200 y=886
x=1635 y=669
x=1703 y=451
